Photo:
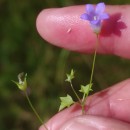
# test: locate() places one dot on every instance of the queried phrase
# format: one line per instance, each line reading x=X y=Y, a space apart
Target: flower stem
x=35 y=112
x=94 y=59
x=91 y=77
x=75 y=92
x=83 y=103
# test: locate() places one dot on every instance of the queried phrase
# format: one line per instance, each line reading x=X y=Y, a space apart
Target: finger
x=64 y=28
x=87 y=122
x=112 y=102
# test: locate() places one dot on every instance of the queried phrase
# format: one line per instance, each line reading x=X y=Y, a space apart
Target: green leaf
x=66 y=102
x=22 y=85
x=70 y=76
x=86 y=89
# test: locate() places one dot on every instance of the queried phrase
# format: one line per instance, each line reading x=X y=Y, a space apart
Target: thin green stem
x=35 y=112
x=83 y=110
x=83 y=104
x=92 y=71
x=84 y=95
x=75 y=92
x=94 y=59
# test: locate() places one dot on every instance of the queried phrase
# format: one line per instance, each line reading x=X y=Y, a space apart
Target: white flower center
x=95 y=17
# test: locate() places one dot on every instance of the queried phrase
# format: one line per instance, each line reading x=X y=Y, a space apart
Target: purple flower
x=95 y=15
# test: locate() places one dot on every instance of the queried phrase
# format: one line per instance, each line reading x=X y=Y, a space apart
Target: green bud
x=70 y=76
x=86 y=89
x=22 y=84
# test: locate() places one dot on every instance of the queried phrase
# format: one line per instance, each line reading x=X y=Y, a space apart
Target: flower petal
x=85 y=16
x=90 y=9
x=100 y=8
x=95 y=22
x=104 y=16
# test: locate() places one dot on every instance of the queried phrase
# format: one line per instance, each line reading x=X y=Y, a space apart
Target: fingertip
x=42 y=127
x=64 y=28
x=41 y=23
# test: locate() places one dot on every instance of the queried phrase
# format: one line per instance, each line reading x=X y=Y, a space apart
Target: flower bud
x=22 y=84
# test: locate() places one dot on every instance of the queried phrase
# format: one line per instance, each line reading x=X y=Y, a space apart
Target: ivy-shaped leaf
x=66 y=102
x=86 y=89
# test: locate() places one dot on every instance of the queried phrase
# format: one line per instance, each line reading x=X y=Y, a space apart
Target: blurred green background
x=23 y=50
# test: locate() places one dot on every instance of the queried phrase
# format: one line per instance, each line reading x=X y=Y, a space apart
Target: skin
x=108 y=109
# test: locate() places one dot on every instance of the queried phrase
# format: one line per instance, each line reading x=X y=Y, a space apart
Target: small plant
x=22 y=85
x=95 y=16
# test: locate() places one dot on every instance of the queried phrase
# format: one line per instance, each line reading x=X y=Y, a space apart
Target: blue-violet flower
x=95 y=15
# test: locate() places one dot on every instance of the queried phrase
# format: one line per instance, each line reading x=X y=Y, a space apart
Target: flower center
x=95 y=17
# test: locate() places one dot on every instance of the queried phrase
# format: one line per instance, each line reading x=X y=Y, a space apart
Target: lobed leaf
x=66 y=102
x=86 y=89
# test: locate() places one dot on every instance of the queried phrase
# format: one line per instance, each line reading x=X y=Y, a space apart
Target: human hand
x=108 y=109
